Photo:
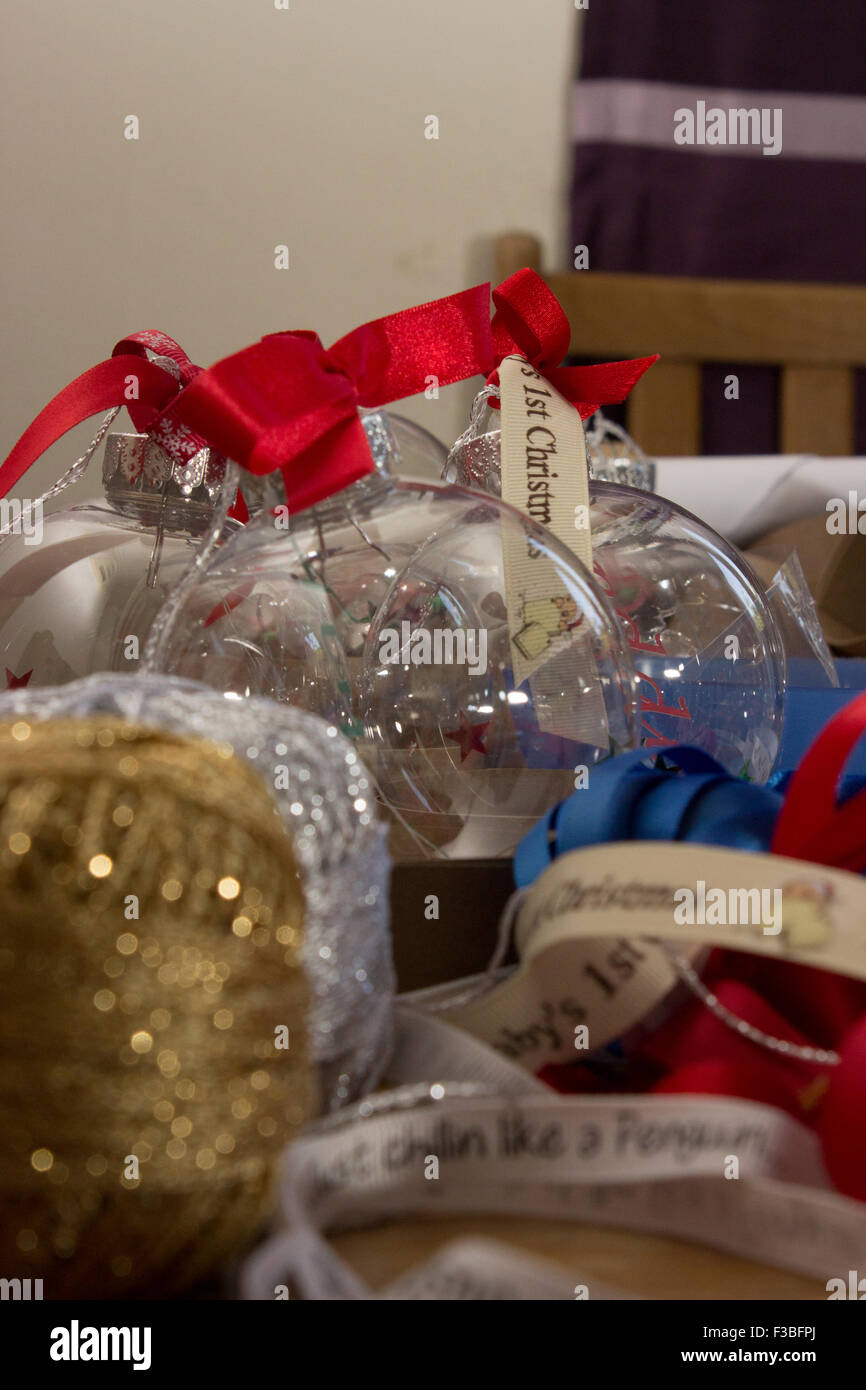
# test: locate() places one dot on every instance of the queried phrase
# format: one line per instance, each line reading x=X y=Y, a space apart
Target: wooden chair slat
x=664 y=412
x=816 y=334
x=817 y=410
x=714 y=320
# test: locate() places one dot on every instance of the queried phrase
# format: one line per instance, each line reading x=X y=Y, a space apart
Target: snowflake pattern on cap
x=179 y=441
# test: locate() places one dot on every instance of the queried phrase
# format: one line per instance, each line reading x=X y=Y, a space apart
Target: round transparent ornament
x=420 y=453
x=469 y=734
x=80 y=587
x=708 y=653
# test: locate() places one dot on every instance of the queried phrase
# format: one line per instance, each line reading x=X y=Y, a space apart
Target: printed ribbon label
x=701 y=895
x=545 y=476
x=583 y=962
x=652 y=1163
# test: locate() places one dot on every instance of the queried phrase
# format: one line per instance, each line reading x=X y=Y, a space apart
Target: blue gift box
x=809 y=707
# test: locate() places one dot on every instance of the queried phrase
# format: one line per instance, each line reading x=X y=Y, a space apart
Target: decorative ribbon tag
x=545 y=476
x=586 y=976
x=656 y=1164
x=545 y=472
x=698 y=894
x=564 y=1001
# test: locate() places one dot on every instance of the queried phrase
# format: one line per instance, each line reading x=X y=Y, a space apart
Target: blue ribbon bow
x=626 y=800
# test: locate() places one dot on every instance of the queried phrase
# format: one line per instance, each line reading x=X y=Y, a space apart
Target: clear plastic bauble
x=414 y=640
x=421 y=454
x=709 y=656
x=80 y=587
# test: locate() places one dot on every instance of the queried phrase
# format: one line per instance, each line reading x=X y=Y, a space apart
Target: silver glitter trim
x=819 y=1056
x=325 y=799
x=380 y=437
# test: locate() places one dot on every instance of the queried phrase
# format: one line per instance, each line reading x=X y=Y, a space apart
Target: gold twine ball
x=153 y=1056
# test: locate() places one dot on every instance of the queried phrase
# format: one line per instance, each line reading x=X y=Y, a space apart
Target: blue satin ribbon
x=627 y=800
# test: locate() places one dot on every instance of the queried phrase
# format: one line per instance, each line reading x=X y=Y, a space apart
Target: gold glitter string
x=152 y=1043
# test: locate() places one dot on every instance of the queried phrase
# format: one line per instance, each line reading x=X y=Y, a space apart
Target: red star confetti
x=14 y=682
x=239 y=510
x=229 y=603
x=470 y=737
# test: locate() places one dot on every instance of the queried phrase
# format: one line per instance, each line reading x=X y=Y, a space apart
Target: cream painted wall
x=261 y=126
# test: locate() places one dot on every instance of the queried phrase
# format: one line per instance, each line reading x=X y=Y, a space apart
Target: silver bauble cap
x=135 y=467
x=141 y=480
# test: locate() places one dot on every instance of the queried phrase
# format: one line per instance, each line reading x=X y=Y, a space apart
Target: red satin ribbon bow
x=286 y=402
x=530 y=320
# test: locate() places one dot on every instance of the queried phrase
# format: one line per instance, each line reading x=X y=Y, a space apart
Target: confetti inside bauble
x=474 y=701
x=709 y=656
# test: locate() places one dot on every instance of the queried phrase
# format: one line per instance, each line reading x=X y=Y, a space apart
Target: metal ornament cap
x=140 y=479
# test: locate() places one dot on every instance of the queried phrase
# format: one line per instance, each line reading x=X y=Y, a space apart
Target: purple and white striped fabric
x=672 y=176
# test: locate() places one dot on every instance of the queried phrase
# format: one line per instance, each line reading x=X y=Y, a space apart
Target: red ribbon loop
x=287 y=403
x=101 y=388
x=530 y=320
x=179 y=442
x=396 y=356
x=812 y=824
x=152 y=340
